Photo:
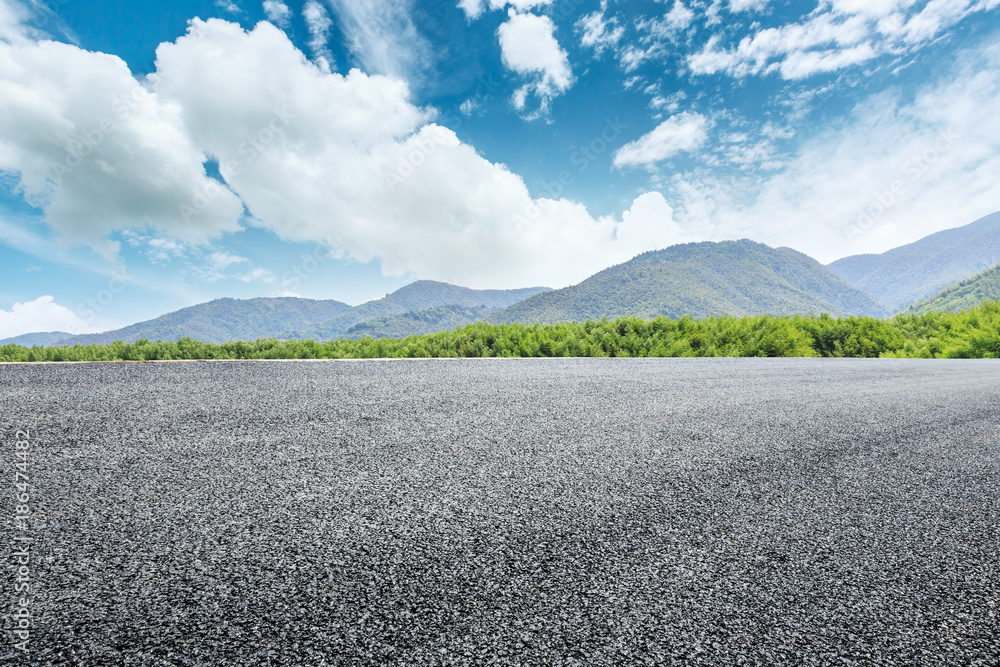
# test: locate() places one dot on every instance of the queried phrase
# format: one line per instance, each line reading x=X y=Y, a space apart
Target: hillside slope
x=419 y=296
x=967 y=294
x=418 y=322
x=40 y=339
x=701 y=279
x=223 y=320
x=919 y=270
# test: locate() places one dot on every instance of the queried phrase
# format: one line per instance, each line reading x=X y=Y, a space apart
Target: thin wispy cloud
x=319 y=23
x=383 y=38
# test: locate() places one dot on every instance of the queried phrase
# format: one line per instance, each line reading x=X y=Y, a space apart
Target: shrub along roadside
x=974 y=333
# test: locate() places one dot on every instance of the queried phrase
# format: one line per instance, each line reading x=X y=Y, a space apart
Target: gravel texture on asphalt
x=550 y=512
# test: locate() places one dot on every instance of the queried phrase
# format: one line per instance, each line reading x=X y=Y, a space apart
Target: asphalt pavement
x=512 y=512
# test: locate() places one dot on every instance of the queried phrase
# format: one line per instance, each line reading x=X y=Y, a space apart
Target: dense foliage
x=973 y=333
x=416 y=322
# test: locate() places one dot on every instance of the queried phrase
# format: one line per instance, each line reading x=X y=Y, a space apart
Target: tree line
x=974 y=333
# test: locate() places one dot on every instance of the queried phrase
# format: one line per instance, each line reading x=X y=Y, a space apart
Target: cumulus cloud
x=346 y=161
x=684 y=132
x=42 y=314
x=98 y=151
x=528 y=46
x=13 y=21
x=319 y=24
x=838 y=35
x=277 y=13
x=351 y=163
x=894 y=171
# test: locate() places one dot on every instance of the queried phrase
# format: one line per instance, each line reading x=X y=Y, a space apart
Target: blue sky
x=158 y=155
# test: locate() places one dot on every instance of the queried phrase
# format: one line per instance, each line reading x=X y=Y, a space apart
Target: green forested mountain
x=919 y=270
x=418 y=296
x=418 y=322
x=223 y=320
x=700 y=279
x=967 y=294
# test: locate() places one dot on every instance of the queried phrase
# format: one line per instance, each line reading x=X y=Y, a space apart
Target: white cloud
x=747 y=5
x=679 y=17
x=684 y=132
x=98 y=151
x=358 y=168
x=838 y=35
x=468 y=107
x=670 y=104
x=529 y=47
x=277 y=13
x=894 y=171
x=474 y=8
x=41 y=315
x=220 y=260
x=319 y=24
x=159 y=249
x=597 y=33
x=257 y=276
x=13 y=21
x=658 y=37
x=228 y=7
x=382 y=36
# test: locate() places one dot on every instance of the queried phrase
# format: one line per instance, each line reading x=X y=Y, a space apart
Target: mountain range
x=981 y=287
x=949 y=270
x=419 y=296
x=918 y=270
x=701 y=279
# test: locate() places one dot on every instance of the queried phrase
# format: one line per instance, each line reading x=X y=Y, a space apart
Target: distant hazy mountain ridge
x=222 y=320
x=40 y=339
x=917 y=271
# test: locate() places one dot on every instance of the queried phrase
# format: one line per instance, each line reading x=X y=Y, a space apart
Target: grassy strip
x=974 y=333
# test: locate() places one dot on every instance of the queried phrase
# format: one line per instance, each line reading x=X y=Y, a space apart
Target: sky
x=158 y=155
